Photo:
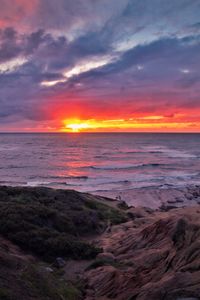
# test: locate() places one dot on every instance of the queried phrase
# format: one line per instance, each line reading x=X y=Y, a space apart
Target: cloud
x=124 y=57
x=147 y=88
x=16 y=12
x=13 y=44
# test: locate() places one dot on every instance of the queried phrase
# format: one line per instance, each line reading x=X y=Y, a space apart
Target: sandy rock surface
x=156 y=256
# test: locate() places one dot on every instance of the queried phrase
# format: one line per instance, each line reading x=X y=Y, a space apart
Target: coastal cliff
x=61 y=244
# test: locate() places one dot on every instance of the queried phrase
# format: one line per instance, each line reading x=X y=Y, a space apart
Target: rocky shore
x=155 y=197
x=57 y=244
x=154 y=256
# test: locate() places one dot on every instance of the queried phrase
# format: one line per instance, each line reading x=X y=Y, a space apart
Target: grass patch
x=105 y=212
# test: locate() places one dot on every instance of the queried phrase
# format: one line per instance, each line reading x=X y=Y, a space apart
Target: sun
x=76 y=126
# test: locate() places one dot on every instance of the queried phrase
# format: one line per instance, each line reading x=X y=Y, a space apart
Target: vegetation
x=48 y=285
x=23 y=280
x=49 y=224
x=52 y=223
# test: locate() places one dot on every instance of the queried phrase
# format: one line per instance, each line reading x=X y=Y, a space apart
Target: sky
x=100 y=65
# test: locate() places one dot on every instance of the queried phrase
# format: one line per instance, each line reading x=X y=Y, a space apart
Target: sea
x=100 y=162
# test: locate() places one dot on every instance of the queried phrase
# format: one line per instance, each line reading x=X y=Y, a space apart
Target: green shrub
x=52 y=223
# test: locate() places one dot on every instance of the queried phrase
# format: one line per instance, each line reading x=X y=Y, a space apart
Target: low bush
x=52 y=223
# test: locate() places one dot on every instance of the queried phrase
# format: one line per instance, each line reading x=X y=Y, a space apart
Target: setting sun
x=75 y=125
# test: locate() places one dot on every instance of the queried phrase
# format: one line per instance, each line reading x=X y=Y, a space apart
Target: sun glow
x=75 y=125
x=147 y=123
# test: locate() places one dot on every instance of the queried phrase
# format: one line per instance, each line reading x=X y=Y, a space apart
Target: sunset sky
x=100 y=65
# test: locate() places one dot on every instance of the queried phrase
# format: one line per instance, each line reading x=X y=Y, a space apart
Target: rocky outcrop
x=156 y=256
x=142 y=253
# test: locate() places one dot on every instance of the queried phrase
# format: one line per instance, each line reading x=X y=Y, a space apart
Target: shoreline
x=154 y=197
x=151 y=197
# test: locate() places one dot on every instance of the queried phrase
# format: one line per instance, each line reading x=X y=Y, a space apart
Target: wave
x=50 y=184
x=120 y=154
x=8 y=148
x=108 y=184
x=37 y=183
x=124 y=182
x=60 y=177
x=126 y=167
x=14 y=167
x=171 y=153
x=12 y=183
x=140 y=152
x=77 y=177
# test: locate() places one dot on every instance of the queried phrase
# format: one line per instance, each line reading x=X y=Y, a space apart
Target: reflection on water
x=98 y=162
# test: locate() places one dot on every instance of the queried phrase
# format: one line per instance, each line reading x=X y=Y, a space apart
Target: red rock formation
x=156 y=256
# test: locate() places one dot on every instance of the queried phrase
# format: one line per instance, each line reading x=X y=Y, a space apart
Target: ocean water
x=100 y=162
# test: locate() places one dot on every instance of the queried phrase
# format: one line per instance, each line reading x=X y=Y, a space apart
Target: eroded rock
x=160 y=259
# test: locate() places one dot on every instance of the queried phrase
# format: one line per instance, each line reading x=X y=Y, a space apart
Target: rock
x=134 y=215
x=172 y=201
x=179 y=231
x=148 y=210
x=106 y=256
x=165 y=207
x=186 y=299
x=122 y=205
x=160 y=259
x=131 y=215
x=46 y=270
x=179 y=200
x=59 y=262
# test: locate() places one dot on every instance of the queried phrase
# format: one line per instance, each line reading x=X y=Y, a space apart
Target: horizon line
x=100 y=132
